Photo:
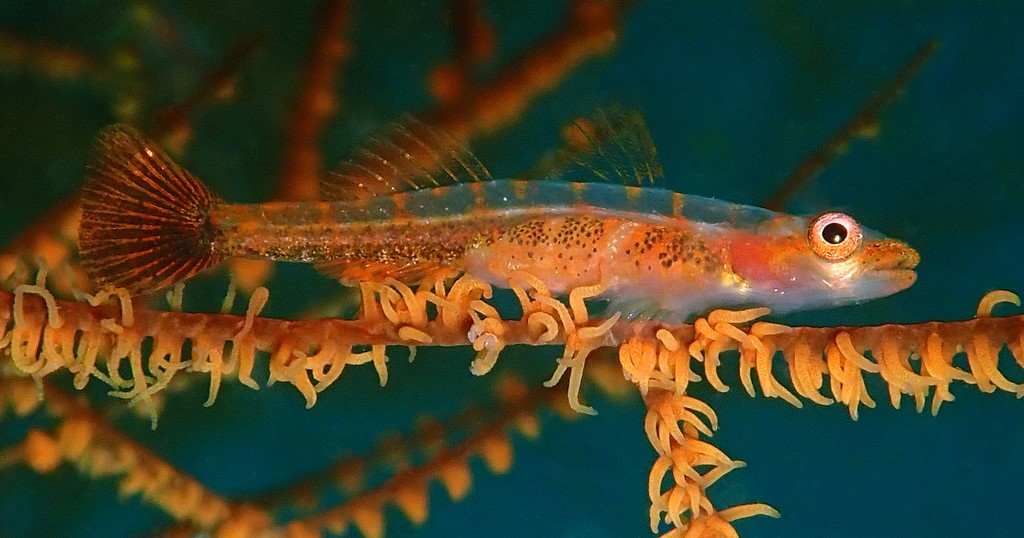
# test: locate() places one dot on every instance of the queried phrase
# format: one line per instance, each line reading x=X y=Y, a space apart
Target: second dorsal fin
x=409 y=155
x=612 y=144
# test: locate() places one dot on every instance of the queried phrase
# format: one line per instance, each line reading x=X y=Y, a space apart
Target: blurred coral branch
x=863 y=124
x=316 y=102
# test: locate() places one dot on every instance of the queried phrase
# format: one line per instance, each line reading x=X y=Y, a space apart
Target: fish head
x=801 y=263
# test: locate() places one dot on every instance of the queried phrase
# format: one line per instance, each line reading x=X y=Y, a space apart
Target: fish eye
x=834 y=236
x=834 y=233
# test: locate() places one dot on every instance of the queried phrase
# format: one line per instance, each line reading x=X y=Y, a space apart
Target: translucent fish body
x=655 y=252
x=147 y=223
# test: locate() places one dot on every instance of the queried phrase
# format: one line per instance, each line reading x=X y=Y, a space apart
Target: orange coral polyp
x=37 y=347
x=42 y=334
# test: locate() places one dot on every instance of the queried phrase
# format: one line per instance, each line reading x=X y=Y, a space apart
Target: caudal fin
x=145 y=220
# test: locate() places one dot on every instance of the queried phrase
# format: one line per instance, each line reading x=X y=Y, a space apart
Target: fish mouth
x=898 y=279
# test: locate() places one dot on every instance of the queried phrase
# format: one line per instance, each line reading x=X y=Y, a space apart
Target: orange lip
x=901 y=279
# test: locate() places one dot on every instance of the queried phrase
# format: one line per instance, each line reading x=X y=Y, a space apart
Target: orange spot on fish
x=519 y=189
x=677 y=204
x=478 y=193
x=399 y=201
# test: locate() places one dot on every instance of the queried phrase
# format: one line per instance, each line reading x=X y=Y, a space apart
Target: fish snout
x=890 y=255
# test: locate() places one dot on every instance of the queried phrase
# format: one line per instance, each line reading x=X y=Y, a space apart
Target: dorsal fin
x=409 y=155
x=612 y=144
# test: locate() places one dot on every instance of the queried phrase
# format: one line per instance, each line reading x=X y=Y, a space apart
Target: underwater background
x=736 y=95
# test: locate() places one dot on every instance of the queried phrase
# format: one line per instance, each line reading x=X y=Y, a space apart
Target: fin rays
x=144 y=219
x=612 y=145
x=410 y=155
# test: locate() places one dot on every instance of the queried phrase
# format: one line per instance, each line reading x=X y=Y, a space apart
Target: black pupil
x=834 y=233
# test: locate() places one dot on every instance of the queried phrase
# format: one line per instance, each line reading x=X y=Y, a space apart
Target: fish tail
x=145 y=220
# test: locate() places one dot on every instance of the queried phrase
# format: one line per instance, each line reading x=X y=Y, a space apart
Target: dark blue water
x=735 y=95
